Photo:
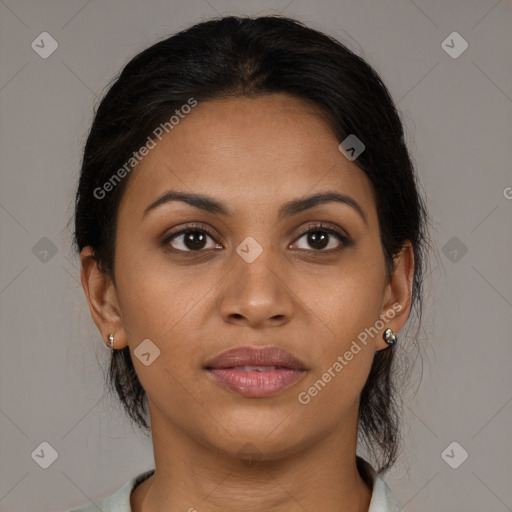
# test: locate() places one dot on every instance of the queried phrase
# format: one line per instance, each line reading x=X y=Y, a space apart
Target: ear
x=397 y=294
x=102 y=297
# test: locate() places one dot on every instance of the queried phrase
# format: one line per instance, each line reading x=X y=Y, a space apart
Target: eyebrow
x=290 y=208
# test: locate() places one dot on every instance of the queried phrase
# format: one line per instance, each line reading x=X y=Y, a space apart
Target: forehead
x=248 y=152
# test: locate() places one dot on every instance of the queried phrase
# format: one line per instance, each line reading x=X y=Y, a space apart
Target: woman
x=252 y=240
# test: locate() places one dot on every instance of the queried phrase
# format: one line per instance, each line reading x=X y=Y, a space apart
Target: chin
x=258 y=441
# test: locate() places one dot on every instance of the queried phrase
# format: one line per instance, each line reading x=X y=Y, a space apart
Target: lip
x=228 y=369
x=255 y=356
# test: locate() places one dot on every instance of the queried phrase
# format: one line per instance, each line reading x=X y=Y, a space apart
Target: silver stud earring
x=111 y=341
x=389 y=337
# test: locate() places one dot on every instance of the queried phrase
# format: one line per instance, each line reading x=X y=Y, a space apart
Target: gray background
x=457 y=113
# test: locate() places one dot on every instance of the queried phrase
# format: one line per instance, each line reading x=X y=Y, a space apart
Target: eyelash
x=346 y=242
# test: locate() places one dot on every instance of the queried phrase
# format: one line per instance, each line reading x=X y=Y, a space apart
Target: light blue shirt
x=383 y=499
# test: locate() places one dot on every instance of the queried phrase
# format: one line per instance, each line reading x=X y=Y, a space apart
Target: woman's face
x=250 y=276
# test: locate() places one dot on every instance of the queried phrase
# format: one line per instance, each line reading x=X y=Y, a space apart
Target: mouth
x=256 y=372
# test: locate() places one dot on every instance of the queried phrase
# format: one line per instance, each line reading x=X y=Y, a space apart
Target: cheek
x=348 y=303
x=333 y=392
x=152 y=296
x=343 y=356
x=161 y=305
x=166 y=317
x=158 y=308
x=347 y=310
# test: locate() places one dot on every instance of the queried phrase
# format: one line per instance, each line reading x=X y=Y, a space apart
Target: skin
x=253 y=155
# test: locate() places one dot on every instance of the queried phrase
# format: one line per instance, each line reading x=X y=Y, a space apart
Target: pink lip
x=225 y=368
x=255 y=356
x=256 y=384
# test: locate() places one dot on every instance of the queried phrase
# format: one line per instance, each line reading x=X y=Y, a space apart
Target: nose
x=256 y=294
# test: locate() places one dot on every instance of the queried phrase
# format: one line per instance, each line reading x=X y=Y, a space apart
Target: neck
x=192 y=477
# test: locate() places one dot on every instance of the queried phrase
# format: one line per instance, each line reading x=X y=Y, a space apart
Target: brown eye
x=323 y=239
x=190 y=239
x=318 y=239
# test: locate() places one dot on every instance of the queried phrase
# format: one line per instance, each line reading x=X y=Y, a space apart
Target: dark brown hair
x=235 y=56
